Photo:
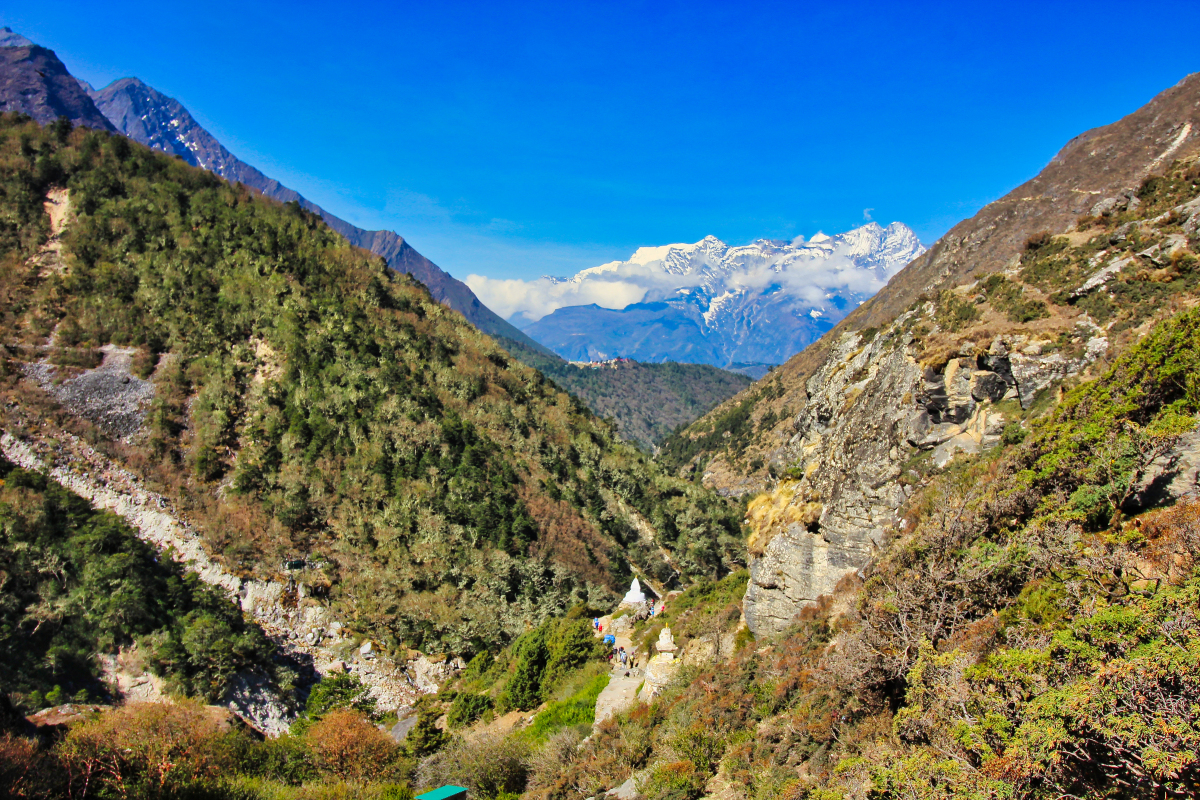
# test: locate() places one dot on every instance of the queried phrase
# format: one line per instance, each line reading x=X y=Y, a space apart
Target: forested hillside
x=78 y=583
x=646 y=401
x=309 y=403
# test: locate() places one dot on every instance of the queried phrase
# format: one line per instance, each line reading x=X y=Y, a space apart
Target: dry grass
x=774 y=511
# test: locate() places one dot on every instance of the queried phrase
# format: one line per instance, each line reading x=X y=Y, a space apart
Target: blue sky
x=522 y=139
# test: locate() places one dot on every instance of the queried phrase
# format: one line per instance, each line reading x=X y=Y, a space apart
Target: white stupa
x=635 y=596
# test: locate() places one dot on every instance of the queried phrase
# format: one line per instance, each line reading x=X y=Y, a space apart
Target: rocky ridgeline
x=871 y=408
x=301 y=626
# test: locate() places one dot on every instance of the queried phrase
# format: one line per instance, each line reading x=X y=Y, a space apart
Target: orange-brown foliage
x=1173 y=535
x=568 y=538
x=23 y=767
x=154 y=745
x=351 y=748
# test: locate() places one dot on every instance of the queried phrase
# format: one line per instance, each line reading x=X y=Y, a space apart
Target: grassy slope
x=315 y=403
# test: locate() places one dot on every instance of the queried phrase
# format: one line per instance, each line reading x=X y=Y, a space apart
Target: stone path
x=620 y=694
x=621 y=691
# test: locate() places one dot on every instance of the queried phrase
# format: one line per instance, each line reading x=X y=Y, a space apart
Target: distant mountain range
x=34 y=81
x=713 y=303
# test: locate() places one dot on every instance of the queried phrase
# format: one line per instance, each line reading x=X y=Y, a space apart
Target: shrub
x=344 y=744
x=487 y=764
x=467 y=708
x=24 y=769
x=343 y=691
x=149 y=748
x=954 y=313
x=548 y=763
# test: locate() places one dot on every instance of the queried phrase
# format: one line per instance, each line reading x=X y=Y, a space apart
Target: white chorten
x=635 y=594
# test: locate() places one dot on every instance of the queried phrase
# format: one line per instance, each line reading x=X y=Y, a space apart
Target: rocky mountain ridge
x=34 y=81
x=713 y=303
x=1041 y=285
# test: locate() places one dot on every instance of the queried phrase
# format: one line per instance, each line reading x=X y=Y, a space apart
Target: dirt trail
x=49 y=258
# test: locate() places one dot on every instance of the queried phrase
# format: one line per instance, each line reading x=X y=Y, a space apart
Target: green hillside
x=309 y=402
x=646 y=401
x=79 y=582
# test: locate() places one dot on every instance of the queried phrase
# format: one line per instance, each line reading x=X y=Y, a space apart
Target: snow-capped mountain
x=713 y=303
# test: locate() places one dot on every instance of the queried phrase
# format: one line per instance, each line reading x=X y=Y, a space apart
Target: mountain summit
x=710 y=302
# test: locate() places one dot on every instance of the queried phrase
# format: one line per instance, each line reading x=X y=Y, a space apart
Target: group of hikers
x=619 y=654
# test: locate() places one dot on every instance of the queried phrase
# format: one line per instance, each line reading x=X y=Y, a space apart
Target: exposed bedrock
x=870 y=409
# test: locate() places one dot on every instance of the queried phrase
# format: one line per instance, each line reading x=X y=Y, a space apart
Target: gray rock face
x=797 y=568
x=870 y=408
x=110 y=396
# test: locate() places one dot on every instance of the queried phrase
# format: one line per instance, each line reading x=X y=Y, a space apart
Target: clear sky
x=513 y=140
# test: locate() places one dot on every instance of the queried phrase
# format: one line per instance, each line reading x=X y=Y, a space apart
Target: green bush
x=578 y=709
x=80 y=582
x=467 y=708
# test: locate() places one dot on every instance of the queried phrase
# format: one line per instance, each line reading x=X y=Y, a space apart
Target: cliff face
x=961 y=345
x=1098 y=167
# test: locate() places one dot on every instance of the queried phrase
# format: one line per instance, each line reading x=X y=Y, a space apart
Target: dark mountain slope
x=33 y=81
x=646 y=401
x=148 y=116
x=310 y=402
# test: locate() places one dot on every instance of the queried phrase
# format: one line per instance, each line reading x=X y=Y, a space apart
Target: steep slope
x=33 y=81
x=712 y=303
x=150 y=117
x=653 y=406
x=1093 y=172
x=313 y=408
x=1032 y=633
x=998 y=314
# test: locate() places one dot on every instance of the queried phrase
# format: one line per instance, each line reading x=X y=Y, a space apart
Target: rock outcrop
x=870 y=408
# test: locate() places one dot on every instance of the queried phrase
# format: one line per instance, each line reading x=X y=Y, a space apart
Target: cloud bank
x=810 y=272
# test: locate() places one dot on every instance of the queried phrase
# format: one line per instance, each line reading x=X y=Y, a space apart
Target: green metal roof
x=445 y=793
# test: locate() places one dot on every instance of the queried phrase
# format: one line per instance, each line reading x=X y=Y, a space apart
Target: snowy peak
x=712 y=302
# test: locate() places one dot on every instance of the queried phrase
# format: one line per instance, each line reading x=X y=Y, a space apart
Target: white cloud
x=810 y=273
x=537 y=298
